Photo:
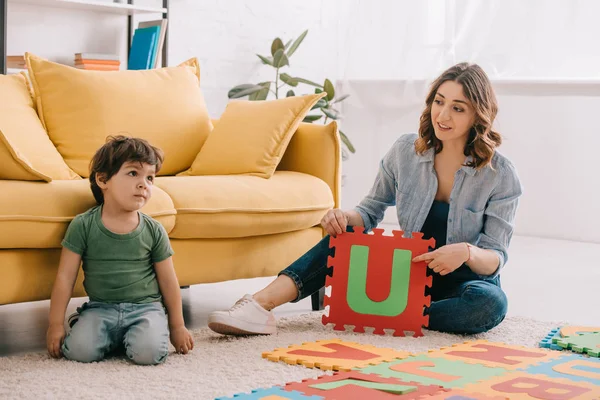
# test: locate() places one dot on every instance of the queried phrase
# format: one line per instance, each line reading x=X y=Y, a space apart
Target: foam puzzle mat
x=475 y=370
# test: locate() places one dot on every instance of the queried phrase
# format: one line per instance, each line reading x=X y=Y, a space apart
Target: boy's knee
x=149 y=350
x=81 y=349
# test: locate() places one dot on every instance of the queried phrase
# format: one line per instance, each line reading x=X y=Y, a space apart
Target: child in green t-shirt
x=127 y=266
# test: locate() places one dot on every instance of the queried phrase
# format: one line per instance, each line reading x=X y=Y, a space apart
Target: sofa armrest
x=315 y=150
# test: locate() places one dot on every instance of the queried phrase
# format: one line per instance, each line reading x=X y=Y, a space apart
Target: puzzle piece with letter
x=495 y=354
x=274 y=393
x=521 y=385
x=573 y=366
x=375 y=283
x=588 y=343
x=428 y=370
x=334 y=354
x=354 y=385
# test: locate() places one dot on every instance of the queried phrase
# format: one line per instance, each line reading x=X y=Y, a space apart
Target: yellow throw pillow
x=81 y=108
x=26 y=152
x=252 y=136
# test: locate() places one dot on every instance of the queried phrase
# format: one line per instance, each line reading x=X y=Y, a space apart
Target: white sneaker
x=246 y=317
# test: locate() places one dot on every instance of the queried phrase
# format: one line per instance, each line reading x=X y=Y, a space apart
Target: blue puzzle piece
x=258 y=394
x=573 y=367
x=547 y=341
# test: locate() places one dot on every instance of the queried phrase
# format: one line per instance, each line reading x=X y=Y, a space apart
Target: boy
x=127 y=266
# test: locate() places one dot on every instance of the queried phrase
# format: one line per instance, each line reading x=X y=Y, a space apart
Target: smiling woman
x=464 y=195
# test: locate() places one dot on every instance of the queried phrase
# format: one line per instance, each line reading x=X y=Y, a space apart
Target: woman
x=448 y=182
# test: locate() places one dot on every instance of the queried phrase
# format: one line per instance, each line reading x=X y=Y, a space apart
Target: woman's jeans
x=142 y=330
x=469 y=307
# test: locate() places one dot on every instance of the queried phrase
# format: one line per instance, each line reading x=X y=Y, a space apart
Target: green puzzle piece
x=384 y=387
x=357 y=297
x=443 y=372
x=586 y=343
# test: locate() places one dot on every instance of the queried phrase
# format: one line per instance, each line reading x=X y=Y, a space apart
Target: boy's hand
x=54 y=339
x=182 y=340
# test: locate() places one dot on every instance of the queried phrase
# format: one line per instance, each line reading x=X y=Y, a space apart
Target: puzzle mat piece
x=274 y=393
x=547 y=343
x=434 y=371
x=573 y=367
x=352 y=389
x=571 y=330
x=381 y=247
x=334 y=354
x=494 y=354
x=587 y=343
x=518 y=385
x=458 y=394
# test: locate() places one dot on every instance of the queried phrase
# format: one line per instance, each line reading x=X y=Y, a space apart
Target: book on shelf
x=162 y=24
x=144 y=46
x=16 y=62
x=97 y=62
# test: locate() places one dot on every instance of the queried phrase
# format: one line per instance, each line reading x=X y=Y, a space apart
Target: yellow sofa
x=222 y=227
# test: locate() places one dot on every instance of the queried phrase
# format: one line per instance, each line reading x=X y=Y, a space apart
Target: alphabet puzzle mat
x=476 y=370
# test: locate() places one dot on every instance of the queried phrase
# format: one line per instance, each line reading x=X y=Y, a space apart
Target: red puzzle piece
x=379 y=277
x=356 y=392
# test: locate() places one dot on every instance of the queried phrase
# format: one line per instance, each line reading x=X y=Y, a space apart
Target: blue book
x=144 y=46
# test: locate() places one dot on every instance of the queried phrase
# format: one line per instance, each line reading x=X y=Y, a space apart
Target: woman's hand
x=446 y=259
x=181 y=340
x=54 y=339
x=335 y=222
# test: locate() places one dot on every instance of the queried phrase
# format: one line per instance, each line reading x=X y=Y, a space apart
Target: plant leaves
x=320 y=104
x=302 y=80
x=287 y=44
x=261 y=94
x=243 y=90
x=318 y=90
x=329 y=113
x=276 y=45
x=312 y=118
x=328 y=87
x=347 y=142
x=266 y=60
x=296 y=43
x=288 y=79
x=340 y=99
x=290 y=93
x=280 y=59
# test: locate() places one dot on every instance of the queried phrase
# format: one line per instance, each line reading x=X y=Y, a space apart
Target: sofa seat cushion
x=228 y=206
x=37 y=214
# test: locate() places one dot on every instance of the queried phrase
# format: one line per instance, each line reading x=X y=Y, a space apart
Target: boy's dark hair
x=118 y=150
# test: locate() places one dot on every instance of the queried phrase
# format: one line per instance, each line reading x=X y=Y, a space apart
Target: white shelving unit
x=126 y=7
x=95 y=5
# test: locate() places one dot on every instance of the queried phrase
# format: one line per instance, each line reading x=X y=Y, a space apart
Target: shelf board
x=95 y=5
x=15 y=70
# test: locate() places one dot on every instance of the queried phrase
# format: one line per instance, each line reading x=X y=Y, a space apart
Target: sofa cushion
x=80 y=108
x=36 y=214
x=26 y=152
x=240 y=205
x=252 y=136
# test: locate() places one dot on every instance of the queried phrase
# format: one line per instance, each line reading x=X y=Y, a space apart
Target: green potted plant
x=323 y=110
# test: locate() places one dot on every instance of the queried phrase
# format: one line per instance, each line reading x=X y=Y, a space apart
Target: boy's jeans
x=470 y=307
x=141 y=329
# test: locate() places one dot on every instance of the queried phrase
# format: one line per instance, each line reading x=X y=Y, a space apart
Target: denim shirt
x=482 y=203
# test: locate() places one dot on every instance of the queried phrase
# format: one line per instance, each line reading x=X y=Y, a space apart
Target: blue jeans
x=141 y=329
x=469 y=307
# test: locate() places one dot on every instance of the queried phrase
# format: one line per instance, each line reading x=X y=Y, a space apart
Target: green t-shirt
x=118 y=268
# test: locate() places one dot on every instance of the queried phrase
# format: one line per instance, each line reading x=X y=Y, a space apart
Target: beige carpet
x=218 y=366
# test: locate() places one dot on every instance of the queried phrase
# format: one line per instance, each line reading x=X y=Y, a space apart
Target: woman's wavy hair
x=482 y=140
